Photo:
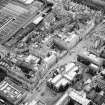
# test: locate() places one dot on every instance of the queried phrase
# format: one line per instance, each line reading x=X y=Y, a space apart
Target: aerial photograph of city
x=52 y=52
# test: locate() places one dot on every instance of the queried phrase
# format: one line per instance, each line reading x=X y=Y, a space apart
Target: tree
x=66 y=4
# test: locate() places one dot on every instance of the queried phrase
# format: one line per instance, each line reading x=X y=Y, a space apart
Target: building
x=78 y=97
x=87 y=57
x=11 y=93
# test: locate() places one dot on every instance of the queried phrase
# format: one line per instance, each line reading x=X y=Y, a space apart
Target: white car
x=26 y=1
